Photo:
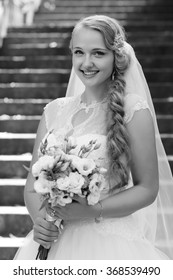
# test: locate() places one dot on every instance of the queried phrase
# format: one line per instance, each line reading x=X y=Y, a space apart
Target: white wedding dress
x=131 y=237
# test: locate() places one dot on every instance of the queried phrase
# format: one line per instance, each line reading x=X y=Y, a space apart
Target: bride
x=107 y=99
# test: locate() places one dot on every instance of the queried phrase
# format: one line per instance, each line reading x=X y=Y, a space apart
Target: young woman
x=110 y=102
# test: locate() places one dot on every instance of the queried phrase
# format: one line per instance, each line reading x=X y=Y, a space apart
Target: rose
x=85 y=166
x=76 y=182
x=59 y=197
x=96 y=183
x=93 y=198
x=44 y=163
x=63 y=183
x=42 y=185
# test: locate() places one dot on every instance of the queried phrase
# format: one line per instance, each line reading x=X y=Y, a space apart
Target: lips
x=89 y=74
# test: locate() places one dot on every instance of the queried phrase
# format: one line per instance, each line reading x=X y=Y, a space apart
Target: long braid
x=117 y=136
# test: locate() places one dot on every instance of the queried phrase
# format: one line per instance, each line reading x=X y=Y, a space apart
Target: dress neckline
x=92 y=105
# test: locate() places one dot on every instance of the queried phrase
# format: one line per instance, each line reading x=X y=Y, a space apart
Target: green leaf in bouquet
x=44 y=204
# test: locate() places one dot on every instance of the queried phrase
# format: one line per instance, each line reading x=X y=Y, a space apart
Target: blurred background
x=35 y=64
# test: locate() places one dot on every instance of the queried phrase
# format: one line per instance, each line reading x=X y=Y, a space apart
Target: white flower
x=51 y=141
x=72 y=143
x=63 y=183
x=61 y=199
x=85 y=166
x=60 y=141
x=76 y=182
x=44 y=163
x=93 y=198
x=96 y=183
x=41 y=185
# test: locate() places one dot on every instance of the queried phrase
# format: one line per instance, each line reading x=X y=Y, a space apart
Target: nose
x=87 y=62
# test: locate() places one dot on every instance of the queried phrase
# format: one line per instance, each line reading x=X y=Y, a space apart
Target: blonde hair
x=117 y=136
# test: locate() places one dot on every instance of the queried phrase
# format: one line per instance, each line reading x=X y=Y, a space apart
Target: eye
x=78 y=52
x=99 y=53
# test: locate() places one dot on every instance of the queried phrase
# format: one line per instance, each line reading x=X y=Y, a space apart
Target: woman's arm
x=32 y=200
x=44 y=232
x=144 y=169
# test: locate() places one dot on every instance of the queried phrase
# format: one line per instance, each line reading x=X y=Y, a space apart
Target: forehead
x=87 y=37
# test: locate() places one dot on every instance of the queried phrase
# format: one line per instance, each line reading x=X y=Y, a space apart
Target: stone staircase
x=34 y=68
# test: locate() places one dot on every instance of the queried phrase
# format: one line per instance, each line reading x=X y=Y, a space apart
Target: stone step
x=19 y=124
x=17 y=144
x=14 y=221
x=23 y=106
x=52 y=91
x=32 y=90
x=135 y=16
x=65 y=62
x=112 y=8
x=161 y=75
x=149 y=48
x=163 y=106
x=22 y=38
x=135 y=26
x=165 y=123
x=110 y=3
x=34 y=75
x=9 y=246
x=12 y=192
x=36 y=106
x=18 y=62
x=34 y=50
x=42 y=28
x=161 y=90
x=8 y=253
x=29 y=124
x=75 y=16
x=62 y=75
x=13 y=166
x=156 y=61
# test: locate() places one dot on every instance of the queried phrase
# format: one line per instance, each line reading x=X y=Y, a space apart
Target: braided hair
x=117 y=136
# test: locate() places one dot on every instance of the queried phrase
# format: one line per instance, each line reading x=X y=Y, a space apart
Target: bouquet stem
x=42 y=251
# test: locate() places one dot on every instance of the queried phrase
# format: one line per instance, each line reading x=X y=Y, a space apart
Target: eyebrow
x=95 y=49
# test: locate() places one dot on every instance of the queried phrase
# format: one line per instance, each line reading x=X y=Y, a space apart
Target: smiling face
x=92 y=61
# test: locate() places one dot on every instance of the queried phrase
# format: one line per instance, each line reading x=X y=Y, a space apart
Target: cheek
x=76 y=62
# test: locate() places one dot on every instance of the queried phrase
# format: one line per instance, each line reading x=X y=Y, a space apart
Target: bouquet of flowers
x=63 y=171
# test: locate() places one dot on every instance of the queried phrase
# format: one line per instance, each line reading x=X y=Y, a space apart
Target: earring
x=113 y=76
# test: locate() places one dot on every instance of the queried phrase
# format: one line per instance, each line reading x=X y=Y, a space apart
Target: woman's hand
x=78 y=209
x=45 y=232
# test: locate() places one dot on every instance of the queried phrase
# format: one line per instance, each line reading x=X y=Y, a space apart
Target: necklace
x=92 y=105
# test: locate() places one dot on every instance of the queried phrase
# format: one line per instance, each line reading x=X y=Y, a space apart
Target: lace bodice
x=60 y=112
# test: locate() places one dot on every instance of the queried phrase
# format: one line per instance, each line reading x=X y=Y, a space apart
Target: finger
x=42 y=223
x=45 y=238
x=46 y=245
x=46 y=232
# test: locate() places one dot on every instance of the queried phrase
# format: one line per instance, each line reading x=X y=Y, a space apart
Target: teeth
x=90 y=73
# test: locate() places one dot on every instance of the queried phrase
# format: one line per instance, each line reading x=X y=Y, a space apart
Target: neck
x=94 y=94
